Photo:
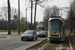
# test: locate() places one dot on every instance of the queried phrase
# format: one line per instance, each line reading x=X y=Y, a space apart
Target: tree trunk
x=9 y=15
x=31 y=12
x=35 y=14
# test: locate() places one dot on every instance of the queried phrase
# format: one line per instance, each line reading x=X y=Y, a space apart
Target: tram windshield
x=55 y=26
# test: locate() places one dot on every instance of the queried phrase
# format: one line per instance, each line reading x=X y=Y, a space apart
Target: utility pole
x=9 y=15
x=31 y=12
x=19 y=16
x=71 y=20
x=26 y=18
x=72 y=15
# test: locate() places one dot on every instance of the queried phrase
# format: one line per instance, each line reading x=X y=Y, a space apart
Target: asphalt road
x=12 y=42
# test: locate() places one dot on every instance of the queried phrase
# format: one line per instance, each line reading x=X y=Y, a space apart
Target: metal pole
x=71 y=21
x=26 y=18
x=19 y=15
x=71 y=17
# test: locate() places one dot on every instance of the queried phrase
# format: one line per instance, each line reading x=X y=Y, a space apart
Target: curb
x=71 y=48
x=43 y=47
x=36 y=44
x=2 y=36
x=28 y=46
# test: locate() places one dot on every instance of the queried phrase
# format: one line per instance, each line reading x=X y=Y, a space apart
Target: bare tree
x=4 y=12
x=14 y=12
x=32 y=3
x=55 y=11
x=71 y=17
x=48 y=12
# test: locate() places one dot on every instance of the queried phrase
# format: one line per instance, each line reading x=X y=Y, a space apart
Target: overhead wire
x=59 y=6
x=58 y=3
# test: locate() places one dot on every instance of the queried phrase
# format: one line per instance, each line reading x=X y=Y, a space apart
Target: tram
x=56 y=29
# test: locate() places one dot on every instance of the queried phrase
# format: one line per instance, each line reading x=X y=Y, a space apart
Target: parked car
x=43 y=34
x=29 y=35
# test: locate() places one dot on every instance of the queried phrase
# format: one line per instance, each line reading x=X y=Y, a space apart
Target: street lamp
x=26 y=16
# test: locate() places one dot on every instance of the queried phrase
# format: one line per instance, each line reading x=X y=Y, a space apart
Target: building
x=40 y=26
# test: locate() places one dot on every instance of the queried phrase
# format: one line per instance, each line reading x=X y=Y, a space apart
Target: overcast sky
x=39 y=16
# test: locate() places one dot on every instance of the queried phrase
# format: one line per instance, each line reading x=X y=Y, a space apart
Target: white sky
x=39 y=16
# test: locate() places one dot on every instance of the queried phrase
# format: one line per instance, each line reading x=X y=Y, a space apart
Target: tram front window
x=55 y=27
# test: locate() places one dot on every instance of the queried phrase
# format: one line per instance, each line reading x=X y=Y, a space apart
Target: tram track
x=61 y=45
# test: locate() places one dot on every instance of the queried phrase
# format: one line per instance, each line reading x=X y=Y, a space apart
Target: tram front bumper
x=55 y=38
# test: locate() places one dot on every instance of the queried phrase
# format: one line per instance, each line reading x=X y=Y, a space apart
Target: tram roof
x=55 y=18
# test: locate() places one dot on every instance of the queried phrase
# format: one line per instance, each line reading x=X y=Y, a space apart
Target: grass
x=16 y=30
x=39 y=45
x=13 y=31
x=67 y=32
x=7 y=30
x=9 y=35
x=51 y=47
x=38 y=30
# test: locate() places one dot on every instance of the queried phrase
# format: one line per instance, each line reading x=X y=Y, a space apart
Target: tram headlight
x=62 y=21
x=49 y=33
x=59 y=35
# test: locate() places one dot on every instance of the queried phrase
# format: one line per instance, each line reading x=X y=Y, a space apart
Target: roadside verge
x=44 y=46
x=38 y=45
x=70 y=38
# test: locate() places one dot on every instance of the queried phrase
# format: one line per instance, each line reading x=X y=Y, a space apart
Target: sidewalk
x=72 y=40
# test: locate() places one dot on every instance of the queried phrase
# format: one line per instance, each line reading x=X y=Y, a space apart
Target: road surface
x=12 y=42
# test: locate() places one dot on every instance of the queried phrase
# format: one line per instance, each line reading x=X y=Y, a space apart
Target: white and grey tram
x=56 y=29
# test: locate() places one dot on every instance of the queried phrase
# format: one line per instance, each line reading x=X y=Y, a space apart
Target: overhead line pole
x=26 y=18
x=71 y=10
x=71 y=21
x=19 y=16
